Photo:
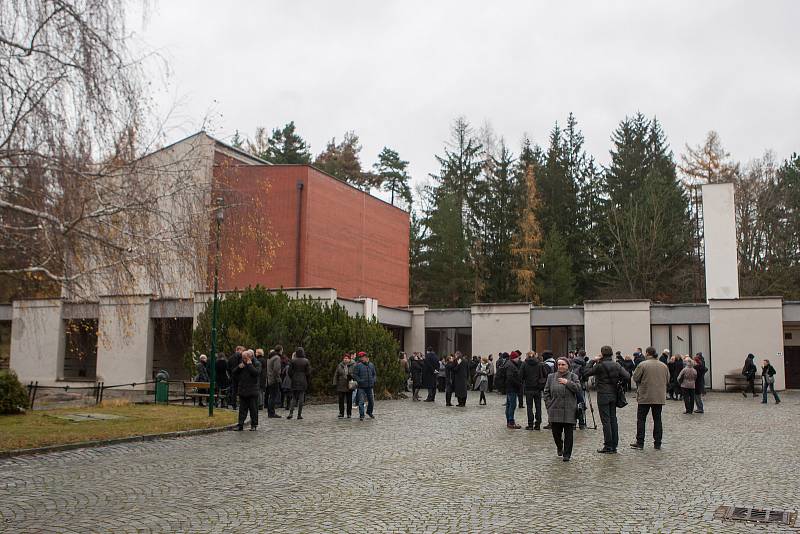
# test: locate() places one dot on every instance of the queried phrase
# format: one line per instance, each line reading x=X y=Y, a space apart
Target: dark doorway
x=791 y=362
x=398 y=333
x=172 y=343
x=80 y=349
x=446 y=341
x=5 y=344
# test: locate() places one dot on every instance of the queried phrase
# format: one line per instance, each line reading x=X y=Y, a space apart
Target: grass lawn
x=39 y=428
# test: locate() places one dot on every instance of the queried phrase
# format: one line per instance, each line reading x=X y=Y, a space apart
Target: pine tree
x=343 y=161
x=526 y=242
x=647 y=216
x=498 y=214
x=283 y=146
x=391 y=173
x=555 y=280
x=237 y=141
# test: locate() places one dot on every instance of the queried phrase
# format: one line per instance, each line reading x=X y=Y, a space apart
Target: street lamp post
x=219 y=217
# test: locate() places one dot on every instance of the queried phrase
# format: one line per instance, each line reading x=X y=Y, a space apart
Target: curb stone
x=114 y=441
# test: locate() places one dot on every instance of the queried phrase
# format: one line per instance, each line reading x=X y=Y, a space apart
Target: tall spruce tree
x=390 y=171
x=283 y=146
x=499 y=210
x=555 y=281
x=647 y=218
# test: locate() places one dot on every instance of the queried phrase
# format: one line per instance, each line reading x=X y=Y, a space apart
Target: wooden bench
x=191 y=390
x=739 y=382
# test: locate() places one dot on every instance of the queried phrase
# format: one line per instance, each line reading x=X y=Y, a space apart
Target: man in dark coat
x=513 y=388
x=607 y=373
x=262 y=378
x=429 y=368
x=534 y=377
x=417 y=364
x=461 y=379
x=364 y=373
x=233 y=363
x=300 y=374
x=749 y=371
x=246 y=376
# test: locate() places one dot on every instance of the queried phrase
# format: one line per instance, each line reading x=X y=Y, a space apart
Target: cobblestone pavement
x=419 y=467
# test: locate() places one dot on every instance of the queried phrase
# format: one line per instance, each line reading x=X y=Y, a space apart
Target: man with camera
x=607 y=374
x=246 y=375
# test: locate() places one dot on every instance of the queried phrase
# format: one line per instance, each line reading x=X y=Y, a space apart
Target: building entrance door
x=791 y=360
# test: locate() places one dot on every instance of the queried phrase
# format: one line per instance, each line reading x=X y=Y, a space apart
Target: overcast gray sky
x=398 y=73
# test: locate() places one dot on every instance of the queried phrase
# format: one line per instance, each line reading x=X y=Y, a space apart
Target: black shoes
x=299 y=417
x=536 y=427
x=341 y=416
x=559 y=452
x=238 y=429
x=371 y=416
x=289 y=416
x=252 y=429
x=565 y=459
x=529 y=427
x=657 y=446
x=605 y=450
x=637 y=446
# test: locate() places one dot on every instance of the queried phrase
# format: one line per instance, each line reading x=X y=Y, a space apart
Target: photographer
x=607 y=374
x=246 y=375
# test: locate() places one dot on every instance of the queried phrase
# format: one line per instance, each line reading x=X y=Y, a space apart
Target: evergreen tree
x=283 y=146
x=342 y=160
x=498 y=211
x=391 y=172
x=447 y=278
x=555 y=282
x=237 y=141
x=526 y=242
x=647 y=217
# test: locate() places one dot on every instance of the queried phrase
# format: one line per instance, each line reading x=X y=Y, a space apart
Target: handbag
x=621 y=400
x=352 y=384
x=770 y=379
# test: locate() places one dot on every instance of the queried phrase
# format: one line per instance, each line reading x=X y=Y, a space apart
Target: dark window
x=80 y=349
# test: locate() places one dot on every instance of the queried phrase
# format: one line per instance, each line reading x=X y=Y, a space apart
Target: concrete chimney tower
x=719 y=236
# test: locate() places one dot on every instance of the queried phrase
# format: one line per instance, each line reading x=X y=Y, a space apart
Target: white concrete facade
x=623 y=324
x=37 y=340
x=719 y=236
x=504 y=326
x=742 y=326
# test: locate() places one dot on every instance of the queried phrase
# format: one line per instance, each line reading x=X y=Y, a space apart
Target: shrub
x=259 y=318
x=13 y=396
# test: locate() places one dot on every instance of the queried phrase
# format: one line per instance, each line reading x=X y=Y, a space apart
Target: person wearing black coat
x=233 y=363
x=749 y=371
x=700 y=382
x=607 y=373
x=461 y=379
x=246 y=376
x=534 y=377
x=221 y=366
x=628 y=364
x=513 y=388
x=300 y=374
x=449 y=371
x=262 y=378
x=429 y=368
x=417 y=363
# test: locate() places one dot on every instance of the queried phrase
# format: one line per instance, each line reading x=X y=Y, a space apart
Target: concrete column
x=415 y=335
x=719 y=236
x=622 y=324
x=742 y=326
x=125 y=339
x=37 y=340
x=370 y=308
x=500 y=327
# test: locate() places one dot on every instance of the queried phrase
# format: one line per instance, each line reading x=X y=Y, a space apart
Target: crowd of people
x=254 y=381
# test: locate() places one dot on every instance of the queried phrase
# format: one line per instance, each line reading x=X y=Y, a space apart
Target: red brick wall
x=355 y=243
x=350 y=241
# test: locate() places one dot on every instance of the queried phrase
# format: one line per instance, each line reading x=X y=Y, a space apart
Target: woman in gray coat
x=561 y=399
x=341 y=379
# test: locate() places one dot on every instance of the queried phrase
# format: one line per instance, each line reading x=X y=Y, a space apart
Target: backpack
x=500 y=378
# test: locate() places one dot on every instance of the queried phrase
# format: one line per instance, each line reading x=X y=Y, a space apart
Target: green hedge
x=258 y=318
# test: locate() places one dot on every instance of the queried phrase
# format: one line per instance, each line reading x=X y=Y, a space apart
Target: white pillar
x=415 y=335
x=719 y=236
x=37 y=340
x=124 y=339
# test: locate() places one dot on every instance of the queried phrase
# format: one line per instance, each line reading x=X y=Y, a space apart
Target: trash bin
x=162 y=387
